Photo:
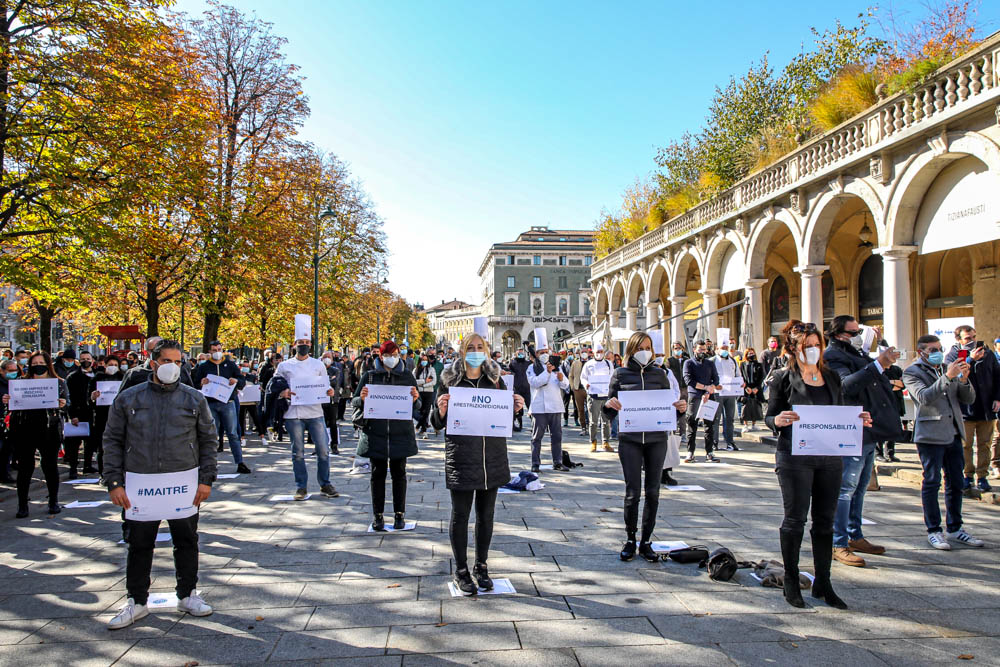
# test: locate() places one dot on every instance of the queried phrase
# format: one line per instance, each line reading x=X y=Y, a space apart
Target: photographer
x=980 y=414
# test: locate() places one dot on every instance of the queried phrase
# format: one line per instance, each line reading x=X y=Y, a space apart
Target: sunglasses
x=805 y=327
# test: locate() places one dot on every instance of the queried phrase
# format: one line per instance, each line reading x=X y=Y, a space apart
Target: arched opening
x=772 y=254
x=510 y=343
x=563 y=306
x=779 y=304
x=536 y=307
x=870 y=304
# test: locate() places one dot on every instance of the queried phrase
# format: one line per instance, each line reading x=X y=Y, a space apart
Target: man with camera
x=980 y=414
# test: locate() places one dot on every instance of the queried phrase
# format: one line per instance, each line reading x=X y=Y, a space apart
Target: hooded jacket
x=636 y=377
x=472 y=461
x=385 y=438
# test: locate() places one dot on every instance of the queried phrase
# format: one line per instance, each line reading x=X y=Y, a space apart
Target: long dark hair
x=48 y=363
x=793 y=335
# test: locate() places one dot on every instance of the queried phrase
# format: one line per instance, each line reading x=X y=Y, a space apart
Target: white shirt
x=595 y=367
x=726 y=366
x=308 y=367
x=546 y=392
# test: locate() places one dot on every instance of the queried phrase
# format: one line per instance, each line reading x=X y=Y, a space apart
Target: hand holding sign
x=828 y=430
x=386 y=401
x=34 y=394
x=484 y=412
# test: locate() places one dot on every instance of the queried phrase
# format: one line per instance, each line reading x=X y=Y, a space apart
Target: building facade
x=450 y=321
x=892 y=217
x=540 y=279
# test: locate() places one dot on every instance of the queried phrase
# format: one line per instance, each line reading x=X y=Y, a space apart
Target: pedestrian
x=806 y=480
x=565 y=364
x=8 y=371
x=938 y=393
x=727 y=369
x=159 y=427
x=330 y=407
x=519 y=366
x=642 y=451
x=427 y=380
x=702 y=380
x=596 y=379
x=579 y=391
x=65 y=363
x=753 y=384
x=300 y=418
x=38 y=430
x=108 y=373
x=770 y=354
x=225 y=413
x=474 y=466
x=674 y=364
x=79 y=384
x=547 y=384
x=886 y=451
x=387 y=443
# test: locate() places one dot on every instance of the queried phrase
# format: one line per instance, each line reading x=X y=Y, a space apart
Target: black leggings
x=47 y=444
x=634 y=457
x=458 y=531
x=804 y=479
x=426 y=403
x=398 y=470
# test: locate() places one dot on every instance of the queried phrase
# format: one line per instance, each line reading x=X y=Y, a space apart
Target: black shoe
x=666 y=479
x=89 y=470
x=646 y=551
x=378 y=523
x=793 y=594
x=464 y=583
x=22 y=512
x=72 y=474
x=628 y=551
x=482 y=576
x=397 y=522
x=516 y=429
x=335 y=451
x=560 y=467
x=823 y=590
x=732 y=447
x=535 y=469
x=328 y=491
x=54 y=508
x=243 y=469
x=712 y=458
x=893 y=458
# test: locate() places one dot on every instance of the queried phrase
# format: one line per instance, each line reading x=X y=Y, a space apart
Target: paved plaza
x=306 y=582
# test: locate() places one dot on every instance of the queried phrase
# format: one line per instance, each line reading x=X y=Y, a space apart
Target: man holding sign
x=166 y=428
x=596 y=378
x=702 y=379
x=220 y=380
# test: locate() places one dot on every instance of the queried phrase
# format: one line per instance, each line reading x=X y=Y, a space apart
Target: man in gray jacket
x=939 y=430
x=160 y=426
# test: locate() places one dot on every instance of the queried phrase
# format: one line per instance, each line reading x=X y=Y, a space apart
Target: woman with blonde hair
x=474 y=466
x=643 y=450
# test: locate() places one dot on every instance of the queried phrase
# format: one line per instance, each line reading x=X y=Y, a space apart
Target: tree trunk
x=151 y=306
x=211 y=331
x=45 y=316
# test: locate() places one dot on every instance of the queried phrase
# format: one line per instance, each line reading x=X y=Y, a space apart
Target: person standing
x=547 y=385
x=8 y=371
x=753 y=384
x=702 y=380
x=726 y=367
x=134 y=373
x=330 y=407
x=427 y=380
x=644 y=450
x=595 y=378
x=770 y=354
x=387 y=443
x=565 y=363
x=938 y=393
x=474 y=466
x=806 y=480
x=225 y=412
x=79 y=384
x=160 y=426
x=674 y=364
x=579 y=391
x=110 y=373
x=886 y=451
x=519 y=366
x=65 y=363
x=300 y=418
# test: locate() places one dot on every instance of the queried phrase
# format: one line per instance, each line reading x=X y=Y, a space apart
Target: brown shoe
x=608 y=448
x=844 y=555
x=865 y=547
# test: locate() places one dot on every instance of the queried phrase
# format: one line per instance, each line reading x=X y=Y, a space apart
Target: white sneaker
x=194 y=605
x=129 y=614
x=994 y=473
x=938 y=541
x=964 y=538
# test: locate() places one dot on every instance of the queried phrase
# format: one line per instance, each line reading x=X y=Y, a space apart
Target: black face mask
x=302 y=350
x=39 y=369
x=700 y=356
x=86 y=364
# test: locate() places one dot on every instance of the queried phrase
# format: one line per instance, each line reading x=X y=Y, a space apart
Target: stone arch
x=617 y=294
x=603 y=300
x=682 y=269
x=919 y=172
x=819 y=225
x=658 y=282
x=762 y=232
x=712 y=278
x=636 y=285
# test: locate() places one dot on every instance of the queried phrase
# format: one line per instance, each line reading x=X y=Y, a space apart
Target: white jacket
x=427 y=382
x=546 y=392
x=593 y=367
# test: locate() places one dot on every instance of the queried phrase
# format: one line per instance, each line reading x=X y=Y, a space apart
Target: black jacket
x=274 y=406
x=863 y=385
x=788 y=389
x=385 y=438
x=519 y=368
x=676 y=365
x=894 y=372
x=985 y=378
x=227 y=368
x=635 y=377
x=80 y=406
x=471 y=461
x=753 y=374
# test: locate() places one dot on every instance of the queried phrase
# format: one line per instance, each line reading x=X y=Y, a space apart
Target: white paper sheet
x=76 y=504
x=310 y=390
x=160 y=537
x=867 y=522
x=164 y=600
x=162 y=496
x=646 y=411
x=82 y=430
x=283 y=498
x=707 y=409
x=667 y=547
x=88 y=480
x=482 y=412
x=389 y=402
x=827 y=430
x=250 y=393
x=228 y=475
x=685 y=487
x=410 y=525
x=33 y=394
x=108 y=391
x=500 y=587
x=218 y=388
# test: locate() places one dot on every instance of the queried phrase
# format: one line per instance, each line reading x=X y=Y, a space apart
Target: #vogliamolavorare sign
x=387 y=401
x=827 y=430
x=649 y=410
x=485 y=412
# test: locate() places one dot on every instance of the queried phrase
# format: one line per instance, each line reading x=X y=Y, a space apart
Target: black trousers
x=426 y=403
x=804 y=479
x=398 y=470
x=461 y=507
x=634 y=458
x=692 y=425
x=91 y=444
x=46 y=443
x=141 y=539
x=341 y=408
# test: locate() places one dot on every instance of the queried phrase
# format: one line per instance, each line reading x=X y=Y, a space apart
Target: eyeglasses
x=804 y=327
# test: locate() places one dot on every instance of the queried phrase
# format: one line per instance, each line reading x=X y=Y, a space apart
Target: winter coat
x=472 y=461
x=519 y=368
x=636 y=377
x=788 y=389
x=985 y=378
x=385 y=438
x=226 y=368
x=274 y=406
x=864 y=385
x=79 y=386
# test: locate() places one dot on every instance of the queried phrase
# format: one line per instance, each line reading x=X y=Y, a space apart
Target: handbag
x=694 y=554
x=673 y=457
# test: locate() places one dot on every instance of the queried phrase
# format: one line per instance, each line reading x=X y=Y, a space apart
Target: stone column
x=652 y=315
x=897 y=313
x=677 y=323
x=612 y=318
x=630 y=317
x=755 y=295
x=710 y=303
x=812 y=293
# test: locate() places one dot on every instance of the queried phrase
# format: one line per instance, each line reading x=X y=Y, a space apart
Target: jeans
x=379 y=469
x=225 y=416
x=934 y=459
x=727 y=410
x=141 y=539
x=458 y=530
x=634 y=458
x=297 y=434
x=552 y=421
x=692 y=424
x=850 y=503
x=595 y=406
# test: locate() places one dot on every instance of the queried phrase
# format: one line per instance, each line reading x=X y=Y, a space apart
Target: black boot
x=790 y=545
x=822 y=558
x=378 y=523
x=482 y=575
x=666 y=479
x=22 y=511
x=646 y=551
x=398 y=523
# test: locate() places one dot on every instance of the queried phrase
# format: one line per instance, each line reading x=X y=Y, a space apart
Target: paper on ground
x=867 y=522
x=282 y=498
x=228 y=475
x=545 y=466
x=160 y=537
x=667 y=547
x=89 y=480
x=505 y=490
x=410 y=525
x=685 y=487
x=810 y=577
x=500 y=587
x=164 y=600
x=86 y=503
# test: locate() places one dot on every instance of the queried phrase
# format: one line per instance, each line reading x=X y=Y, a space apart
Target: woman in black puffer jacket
x=644 y=450
x=474 y=466
x=386 y=442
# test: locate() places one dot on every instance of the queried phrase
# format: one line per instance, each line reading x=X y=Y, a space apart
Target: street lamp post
x=328 y=213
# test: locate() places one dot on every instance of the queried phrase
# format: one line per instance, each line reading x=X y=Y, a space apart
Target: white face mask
x=857 y=341
x=643 y=357
x=544 y=358
x=658 y=361
x=327 y=361
x=809 y=356
x=598 y=355
x=111 y=370
x=390 y=361
x=216 y=356
x=168 y=372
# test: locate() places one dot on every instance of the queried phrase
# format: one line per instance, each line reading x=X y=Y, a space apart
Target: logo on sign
x=802 y=444
x=456 y=422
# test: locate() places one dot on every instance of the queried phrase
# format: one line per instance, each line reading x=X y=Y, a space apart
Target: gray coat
x=153 y=428
x=938 y=402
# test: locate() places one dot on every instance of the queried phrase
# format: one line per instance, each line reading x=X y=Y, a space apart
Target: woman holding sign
x=805 y=479
x=646 y=449
x=387 y=442
x=474 y=466
x=36 y=429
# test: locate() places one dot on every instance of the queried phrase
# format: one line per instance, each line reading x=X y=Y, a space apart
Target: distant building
x=11 y=335
x=540 y=279
x=450 y=321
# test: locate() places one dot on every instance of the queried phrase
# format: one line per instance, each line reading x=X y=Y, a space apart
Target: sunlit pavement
x=305 y=582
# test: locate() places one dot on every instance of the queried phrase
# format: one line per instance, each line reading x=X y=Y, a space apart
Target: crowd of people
x=165 y=422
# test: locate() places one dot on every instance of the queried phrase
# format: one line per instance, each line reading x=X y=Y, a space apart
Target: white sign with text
x=486 y=412
x=388 y=401
x=827 y=430
x=649 y=410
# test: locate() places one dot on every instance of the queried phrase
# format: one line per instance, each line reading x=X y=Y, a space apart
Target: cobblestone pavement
x=306 y=582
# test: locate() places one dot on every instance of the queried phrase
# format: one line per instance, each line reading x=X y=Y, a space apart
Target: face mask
x=13 y=375
x=751 y=358
x=700 y=356
x=390 y=361
x=86 y=364
x=935 y=358
x=302 y=350
x=643 y=356
x=809 y=356
x=201 y=361
x=111 y=370
x=544 y=358
x=856 y=341
x=327 y=361
x=474 y=359
x=39 y=369
x=244 y=369
x=658 y=361
x=599 y=356
x=520 y=355
x=724 y=353
x=569 y=358
x=402 y=351
x=22 y=362
x=423 y=362
x=216 y=356
x=168 y=372
x=678 y=353
x=69 y=364
x=773 y=345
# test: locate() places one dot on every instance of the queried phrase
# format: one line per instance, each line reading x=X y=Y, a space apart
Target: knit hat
x=388 y=347
x=69 y=354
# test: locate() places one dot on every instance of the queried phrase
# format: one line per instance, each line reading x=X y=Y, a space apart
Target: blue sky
x=468 y=122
